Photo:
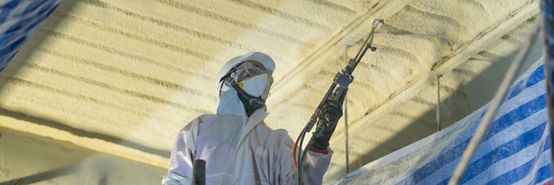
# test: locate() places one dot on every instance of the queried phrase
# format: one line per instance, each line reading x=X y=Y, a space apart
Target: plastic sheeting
x=515 y=150
x=18 y=21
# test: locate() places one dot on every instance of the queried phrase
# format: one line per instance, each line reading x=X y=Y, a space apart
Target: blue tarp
x=18 y=21
x=515 y=150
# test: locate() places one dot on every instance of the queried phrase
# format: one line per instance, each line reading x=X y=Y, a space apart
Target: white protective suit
x=239 y=149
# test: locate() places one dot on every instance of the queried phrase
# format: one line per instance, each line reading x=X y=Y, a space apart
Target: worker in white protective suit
x=236 y=144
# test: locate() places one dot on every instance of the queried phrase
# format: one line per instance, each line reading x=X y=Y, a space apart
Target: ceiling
x=123 y=77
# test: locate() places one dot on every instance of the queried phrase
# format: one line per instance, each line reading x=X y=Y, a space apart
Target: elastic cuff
x=321 y=151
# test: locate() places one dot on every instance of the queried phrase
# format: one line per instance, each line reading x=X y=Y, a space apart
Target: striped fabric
x=515 y=150
x=18 y=21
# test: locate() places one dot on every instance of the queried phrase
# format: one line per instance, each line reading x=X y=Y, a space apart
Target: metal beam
x=40 y=176
x=85 y=141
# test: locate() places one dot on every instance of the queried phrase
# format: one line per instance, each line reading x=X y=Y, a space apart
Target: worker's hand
x=328 y=119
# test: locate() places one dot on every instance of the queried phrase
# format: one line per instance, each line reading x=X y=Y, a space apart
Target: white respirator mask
x=257 y=86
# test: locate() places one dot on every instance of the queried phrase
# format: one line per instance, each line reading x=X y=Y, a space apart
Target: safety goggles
x=250 y=69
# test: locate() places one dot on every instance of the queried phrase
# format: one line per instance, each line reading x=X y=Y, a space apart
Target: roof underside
x=123 y=77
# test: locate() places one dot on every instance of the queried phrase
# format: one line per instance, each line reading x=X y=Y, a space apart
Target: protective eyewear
x=250 y=69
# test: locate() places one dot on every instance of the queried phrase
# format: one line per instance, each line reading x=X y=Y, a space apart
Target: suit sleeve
x=180 y=163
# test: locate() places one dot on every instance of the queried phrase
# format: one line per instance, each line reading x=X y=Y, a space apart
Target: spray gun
x=336 y=92
x=344 y=77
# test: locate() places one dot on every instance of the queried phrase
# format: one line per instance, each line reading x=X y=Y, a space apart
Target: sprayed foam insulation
x=133 y=73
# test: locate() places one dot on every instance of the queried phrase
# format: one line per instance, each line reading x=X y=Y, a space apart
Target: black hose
x=199 y=172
